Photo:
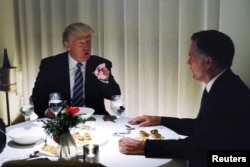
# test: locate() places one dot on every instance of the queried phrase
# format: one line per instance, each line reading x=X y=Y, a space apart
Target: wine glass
x=26 y=109
x=55 y=103
x=118 y=107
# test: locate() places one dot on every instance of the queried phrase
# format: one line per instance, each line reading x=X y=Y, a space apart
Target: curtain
x=146 y=40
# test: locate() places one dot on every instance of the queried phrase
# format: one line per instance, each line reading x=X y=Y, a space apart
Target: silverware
x=45 y=140
x=35 y=154
x=41 y=120
x=125 y=133
x=129 y=127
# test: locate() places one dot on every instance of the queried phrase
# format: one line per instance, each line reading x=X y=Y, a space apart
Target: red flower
x=72 y=110
x=56 y=139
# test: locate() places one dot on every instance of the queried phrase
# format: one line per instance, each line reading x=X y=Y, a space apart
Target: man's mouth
x=86 y=53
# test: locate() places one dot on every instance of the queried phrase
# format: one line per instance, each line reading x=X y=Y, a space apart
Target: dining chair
x=41 y=163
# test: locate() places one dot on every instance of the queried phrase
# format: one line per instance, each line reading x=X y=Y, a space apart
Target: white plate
x=94 y=138
x=86 y=112
x=164 y=132
x=38 y=124
x=100 y=140
x=26 y=136
x=97 y=139
x=40 y=146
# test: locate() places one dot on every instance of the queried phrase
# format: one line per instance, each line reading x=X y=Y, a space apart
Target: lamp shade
x=7 y=75
x=6 y=62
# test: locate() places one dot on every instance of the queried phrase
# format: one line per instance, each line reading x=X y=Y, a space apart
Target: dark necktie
x=77 y=99
x=204 y=97
x=203 y=101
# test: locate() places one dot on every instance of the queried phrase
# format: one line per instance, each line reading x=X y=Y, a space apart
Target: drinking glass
x=55 y=103
x=118 y=107
x=26 y=109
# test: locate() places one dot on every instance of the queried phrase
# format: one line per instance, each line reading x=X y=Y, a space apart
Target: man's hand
x=146 y=120
x=49 y=114
x=131 y=146
x=101 y=72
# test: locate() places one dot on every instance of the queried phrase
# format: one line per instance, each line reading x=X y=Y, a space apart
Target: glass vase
x=66 y=149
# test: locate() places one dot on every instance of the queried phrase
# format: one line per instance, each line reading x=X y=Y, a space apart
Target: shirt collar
x=211 y=82
x=72 y=62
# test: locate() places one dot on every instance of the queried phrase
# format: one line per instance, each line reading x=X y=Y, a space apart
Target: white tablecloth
x=109 y=154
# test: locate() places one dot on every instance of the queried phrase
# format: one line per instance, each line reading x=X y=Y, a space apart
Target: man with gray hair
x=223 y=121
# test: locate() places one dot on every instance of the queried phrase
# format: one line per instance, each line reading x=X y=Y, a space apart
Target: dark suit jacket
x=2 y=135
x=223 y=124
x=54 y=77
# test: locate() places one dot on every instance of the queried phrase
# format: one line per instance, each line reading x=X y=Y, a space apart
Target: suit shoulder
x=54 y=58
x=236 y=87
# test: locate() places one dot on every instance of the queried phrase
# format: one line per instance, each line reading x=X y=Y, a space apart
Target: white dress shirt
x=211 y=82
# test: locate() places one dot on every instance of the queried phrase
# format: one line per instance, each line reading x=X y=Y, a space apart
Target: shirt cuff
x=46 y=112
x=1 y=131
x=105 y=81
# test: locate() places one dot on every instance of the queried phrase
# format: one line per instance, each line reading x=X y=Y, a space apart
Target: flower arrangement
x=63 y=123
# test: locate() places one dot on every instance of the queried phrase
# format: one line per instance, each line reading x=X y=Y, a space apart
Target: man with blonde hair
x=63 y=73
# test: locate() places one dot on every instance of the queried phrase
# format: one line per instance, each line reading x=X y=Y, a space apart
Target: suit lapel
x=64 y=74
x=214 y=92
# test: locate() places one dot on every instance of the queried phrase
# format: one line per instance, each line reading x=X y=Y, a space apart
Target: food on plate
x=156 y=135
x=49 y=148
x=86 y=127
x=143 y=135
x=154 y=131
x=153 y=134
x=84 y=138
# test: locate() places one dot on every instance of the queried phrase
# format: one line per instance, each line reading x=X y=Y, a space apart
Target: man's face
x=197 y=63
x=79 y=47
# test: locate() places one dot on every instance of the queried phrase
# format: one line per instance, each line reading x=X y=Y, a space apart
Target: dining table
x=103 y=128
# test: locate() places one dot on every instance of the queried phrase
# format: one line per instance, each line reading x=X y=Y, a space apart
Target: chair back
x=42 y=163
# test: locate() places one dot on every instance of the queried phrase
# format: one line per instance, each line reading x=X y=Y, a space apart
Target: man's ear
x=66 y=45
x=209 y=61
